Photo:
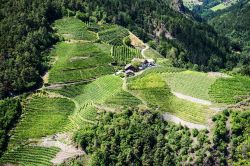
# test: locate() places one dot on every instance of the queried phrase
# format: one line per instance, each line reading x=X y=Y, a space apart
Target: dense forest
x=26 y=35
x=10 y=110
x=237 y=30
x=143 y=138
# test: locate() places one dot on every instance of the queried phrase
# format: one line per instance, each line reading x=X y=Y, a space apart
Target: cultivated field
x=124 y=54
x=195 y=84
x=113 y=35
x=42 y=116
x=153 y=89
x=30 y=156
x=230 y=90
x=79 y=62
x=72 y=28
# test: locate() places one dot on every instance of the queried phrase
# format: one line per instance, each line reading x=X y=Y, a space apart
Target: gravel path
x=172 y=118
x=192 y=99
x=143 y=51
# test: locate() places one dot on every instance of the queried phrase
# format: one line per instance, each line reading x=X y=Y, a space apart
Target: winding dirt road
x=192 y=99
x=175 y=119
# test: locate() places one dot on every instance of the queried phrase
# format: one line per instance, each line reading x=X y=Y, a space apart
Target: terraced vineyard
x=72 y=28
x=123 y=99
x=79 y=62
x=124 y=54
x=43 y=116
x=195 y=84
x=30 y=156
x=113 y=35
x=152 y=88
x=96 y=92
x=230 y=90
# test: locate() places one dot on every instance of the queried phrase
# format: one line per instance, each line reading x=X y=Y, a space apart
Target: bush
x=195 y=132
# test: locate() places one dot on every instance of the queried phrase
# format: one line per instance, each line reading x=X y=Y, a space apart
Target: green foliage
x=134 y=137
x=42 y=116
x=195 y=84
x=230 y=90
x=10 y=110
x=231 y=138
x=123 y=54
x=25 y=37
x=73 y=28
x=30 y=155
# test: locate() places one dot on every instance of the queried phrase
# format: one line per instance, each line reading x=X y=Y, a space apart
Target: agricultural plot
x=73 y=28
x=230 y=90
x=224 y=5
x=99 y=90
x=30 y=156
x=80 y=62
x=42 y=116
x=195 y=84
x=123 y=54
x=113 y=35
x=123 y=99
x=96 y=92
x=153 y=89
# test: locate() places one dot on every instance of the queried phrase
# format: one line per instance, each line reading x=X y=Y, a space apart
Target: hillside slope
x=237 y=30
x=24 y=48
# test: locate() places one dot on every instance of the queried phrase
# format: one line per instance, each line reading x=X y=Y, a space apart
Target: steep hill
x=28 y=35
x=237 y=30
x=209 y=7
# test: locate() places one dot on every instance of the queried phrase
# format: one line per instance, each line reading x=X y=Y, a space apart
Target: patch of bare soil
x=136 y=42
x=175 y=119
x=78 y=58
x=192 y=99
x=218 y=75
x=64 y=142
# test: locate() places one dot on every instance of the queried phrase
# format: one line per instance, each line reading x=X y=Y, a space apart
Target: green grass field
x=30 y=156
x=153 y=54
x=153 y=89
x=80 y=61
x=42 y=116
x=230 y=90
x=223 y=5
x=73 y=28
x=195 y=84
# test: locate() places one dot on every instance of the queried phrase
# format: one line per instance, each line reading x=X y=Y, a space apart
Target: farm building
x=137 y=65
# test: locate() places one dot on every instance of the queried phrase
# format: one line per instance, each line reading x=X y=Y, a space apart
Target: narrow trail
x=58 y=86
x=192 y=99
x=175 y=119
x=143 y=51
x=199 y=101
